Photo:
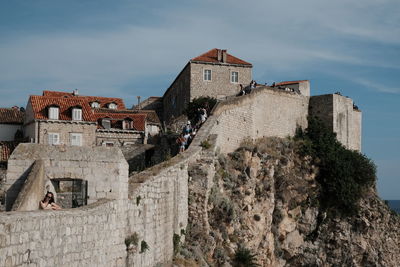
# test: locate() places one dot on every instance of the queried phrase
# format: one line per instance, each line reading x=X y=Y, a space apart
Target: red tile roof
x=103 y=101
x=291 y=82
x=65 y=101
x=6 y=148
x=212 y=57
x=151 y=115
x=11 y=116
x=139 y=120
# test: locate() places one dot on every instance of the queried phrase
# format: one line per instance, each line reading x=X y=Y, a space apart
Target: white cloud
x=289 y=35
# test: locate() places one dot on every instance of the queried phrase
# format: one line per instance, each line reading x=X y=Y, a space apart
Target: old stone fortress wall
x=150 y=206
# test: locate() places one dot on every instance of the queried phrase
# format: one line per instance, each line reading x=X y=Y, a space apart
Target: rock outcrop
x=265 y=198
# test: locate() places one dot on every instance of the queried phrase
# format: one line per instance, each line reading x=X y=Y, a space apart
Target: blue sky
x=128 y=48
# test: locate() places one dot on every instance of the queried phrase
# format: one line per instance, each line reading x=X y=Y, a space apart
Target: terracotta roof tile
x=212 y=57
x=139 y=120
x=291 y=82
x=40 y=106
x=6 y=148
x=11 y=116
x=151 y=115
x=103 y=101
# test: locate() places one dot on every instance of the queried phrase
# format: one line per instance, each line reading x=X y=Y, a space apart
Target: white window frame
x=207 y=75
x=54 y=113
x=53 y=138
x=76 y=139
x=76 y=114
x=234 y=77
x=95 y=104
x=112 y=106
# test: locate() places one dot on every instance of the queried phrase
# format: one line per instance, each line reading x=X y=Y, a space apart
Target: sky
x=131 y=48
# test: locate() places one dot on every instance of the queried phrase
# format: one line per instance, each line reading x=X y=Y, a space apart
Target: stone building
x=214 y=73
x=57 y=118
x=11 y=120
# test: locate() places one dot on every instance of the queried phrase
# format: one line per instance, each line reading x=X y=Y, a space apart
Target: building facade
x=215 y=74
x=62 y=118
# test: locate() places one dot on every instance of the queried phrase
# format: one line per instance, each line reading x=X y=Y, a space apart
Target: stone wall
x=264 y=112
x=155 y=209
x=88 y=236
x=337 y=113
x=177 y=96
x=105 y=169
x=119 y=137
x=220 y=85
x=33 y=189
x=65 y=128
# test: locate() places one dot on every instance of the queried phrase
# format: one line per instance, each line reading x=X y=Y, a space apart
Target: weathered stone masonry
x=156 y=205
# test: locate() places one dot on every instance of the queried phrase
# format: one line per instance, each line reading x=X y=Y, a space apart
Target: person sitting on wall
x=48 y=202
x=241 y=92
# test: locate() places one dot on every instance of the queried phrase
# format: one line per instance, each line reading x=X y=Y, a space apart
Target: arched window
x=112 y=105
x=77 y=113
x=54 y=112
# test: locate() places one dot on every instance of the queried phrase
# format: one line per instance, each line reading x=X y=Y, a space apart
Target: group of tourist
x=247 y=90
x=189 y=131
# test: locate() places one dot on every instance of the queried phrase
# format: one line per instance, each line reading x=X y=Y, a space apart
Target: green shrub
x=132 y=240
x=177 y=243
x=244 y=258
x=202 y=102
x=344 y=174
x=205 y=144
x=138 y=198
x=144 y=246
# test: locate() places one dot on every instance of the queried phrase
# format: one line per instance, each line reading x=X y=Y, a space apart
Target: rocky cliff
x=263 y=199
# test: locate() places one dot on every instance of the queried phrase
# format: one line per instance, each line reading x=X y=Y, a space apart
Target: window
x=234 y=77
x=54 y=138
x=173 y=101
x=106 y=123
x=77 y=114
x=108 y=144
x=76 y=139
x=207 y=75
x=112 y=106
x=53 y=113
x=95 y=104
x=127 y=124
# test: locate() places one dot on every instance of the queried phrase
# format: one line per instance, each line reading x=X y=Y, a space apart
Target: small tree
x=202 y=102
x=344 y=174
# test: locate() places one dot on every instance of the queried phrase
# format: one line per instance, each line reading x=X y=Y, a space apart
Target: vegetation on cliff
x=344 y=175
x=266 y=204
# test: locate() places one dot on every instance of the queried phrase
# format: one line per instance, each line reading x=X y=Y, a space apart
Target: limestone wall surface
x=89 y=236
x=64 y=129
x=337 y=113
x=220 y=85
x=105 y=169
x=264 y=112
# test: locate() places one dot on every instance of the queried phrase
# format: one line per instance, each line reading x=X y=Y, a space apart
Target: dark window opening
x=71 y=193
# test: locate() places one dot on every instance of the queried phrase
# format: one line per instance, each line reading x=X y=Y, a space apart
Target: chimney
x=223 y=55
x=75 y=92
x=138 y=102
x=219 y=55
